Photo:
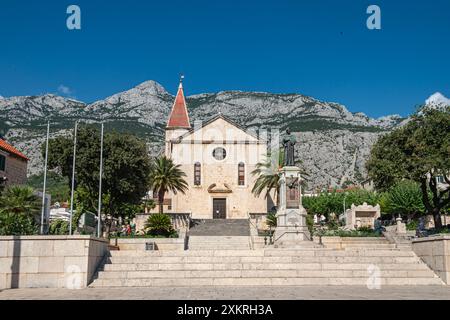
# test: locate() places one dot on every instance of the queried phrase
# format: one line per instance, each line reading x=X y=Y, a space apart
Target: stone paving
x=234 y=293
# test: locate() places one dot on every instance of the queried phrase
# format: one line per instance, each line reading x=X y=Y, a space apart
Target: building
x=13 y=165
x=218 y=157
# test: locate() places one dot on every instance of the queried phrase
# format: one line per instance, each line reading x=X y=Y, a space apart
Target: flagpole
x=73 y=176
x=100 y=187
x=45 y=179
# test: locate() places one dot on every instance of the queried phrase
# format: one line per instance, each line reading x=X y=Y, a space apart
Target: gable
x=219 y=129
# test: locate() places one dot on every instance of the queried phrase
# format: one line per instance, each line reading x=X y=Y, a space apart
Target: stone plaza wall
x=138 y=244
x=341 y=243
x=49 y=261
x=435 y=252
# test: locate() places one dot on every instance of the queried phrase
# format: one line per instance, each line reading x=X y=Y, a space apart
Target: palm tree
x=166 y=176
x=19 y=200
x=19 y=209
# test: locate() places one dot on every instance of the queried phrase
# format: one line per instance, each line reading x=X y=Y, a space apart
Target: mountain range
x=333 y=146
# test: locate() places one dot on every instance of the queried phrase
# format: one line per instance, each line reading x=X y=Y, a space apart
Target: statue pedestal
x=292 y=229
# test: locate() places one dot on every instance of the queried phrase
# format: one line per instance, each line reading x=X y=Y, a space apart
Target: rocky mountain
x=333 y=142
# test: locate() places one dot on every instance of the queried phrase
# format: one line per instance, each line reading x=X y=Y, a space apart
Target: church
x=217 y=156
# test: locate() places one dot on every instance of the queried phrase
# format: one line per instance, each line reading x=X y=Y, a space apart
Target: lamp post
x=73 y=176
x=45 y=179
x=99 y=222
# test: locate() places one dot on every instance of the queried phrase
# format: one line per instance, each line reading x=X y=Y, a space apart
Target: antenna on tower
x=181 y=77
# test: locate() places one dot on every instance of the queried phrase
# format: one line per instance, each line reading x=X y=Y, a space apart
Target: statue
x=289 y=151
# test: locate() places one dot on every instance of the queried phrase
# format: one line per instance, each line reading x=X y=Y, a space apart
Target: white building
x=218 y=157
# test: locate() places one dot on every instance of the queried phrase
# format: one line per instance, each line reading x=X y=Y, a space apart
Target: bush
x=362 y=232
x=59 y=227
x=412 y=226
x=18 y=225
x=159 y=224
x=271 y=220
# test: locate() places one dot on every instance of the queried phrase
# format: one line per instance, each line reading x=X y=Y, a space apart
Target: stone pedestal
x=291 y=229
x=401 y=227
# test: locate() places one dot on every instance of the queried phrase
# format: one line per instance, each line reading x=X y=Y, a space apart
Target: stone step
x=263 y=253
x=261 y=266
x=371 y=245
x=262 y=274
x=273 y=281
x=295 y=260
x=287 y=259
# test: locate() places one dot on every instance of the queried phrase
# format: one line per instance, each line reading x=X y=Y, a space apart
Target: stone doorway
x=219 y=208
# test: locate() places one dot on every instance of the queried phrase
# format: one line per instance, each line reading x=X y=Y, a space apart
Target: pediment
x=222 y=188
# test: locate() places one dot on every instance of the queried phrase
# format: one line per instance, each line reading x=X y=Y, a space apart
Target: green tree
x=166 y=176
x=57 y=185
x=19 y=211
x=419 y=151
x=405 y=198
x=125 y=172
x=267 y=173
x=333 y=202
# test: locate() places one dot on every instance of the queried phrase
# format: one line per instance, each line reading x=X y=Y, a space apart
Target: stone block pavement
x=234 y=293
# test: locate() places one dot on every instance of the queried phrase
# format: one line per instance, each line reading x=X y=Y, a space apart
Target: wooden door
x=219 y=208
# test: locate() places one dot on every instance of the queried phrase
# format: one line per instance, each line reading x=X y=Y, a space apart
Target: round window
x=219 y=153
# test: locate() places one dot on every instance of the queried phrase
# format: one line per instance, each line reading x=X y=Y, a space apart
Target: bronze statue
x=289 y=151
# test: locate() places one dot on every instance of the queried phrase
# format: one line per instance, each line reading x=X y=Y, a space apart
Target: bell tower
x=178 y=123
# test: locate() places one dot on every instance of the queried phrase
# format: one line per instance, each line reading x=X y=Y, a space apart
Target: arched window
x=197 y=174
x=241 y=174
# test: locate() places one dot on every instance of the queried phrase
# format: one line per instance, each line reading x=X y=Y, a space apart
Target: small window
x=197 y=174
x=2 y=162
x=219 y=153
x=169 y=204
x=241 y=174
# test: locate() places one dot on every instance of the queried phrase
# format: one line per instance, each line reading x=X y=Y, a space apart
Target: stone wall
x=138 y=244
x=49 y=261
x=435 y=252
x=348 y=242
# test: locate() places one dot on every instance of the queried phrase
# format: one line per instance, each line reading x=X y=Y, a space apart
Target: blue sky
x=318 y=48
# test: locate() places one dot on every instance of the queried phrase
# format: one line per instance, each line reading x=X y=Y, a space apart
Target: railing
x=180 y=221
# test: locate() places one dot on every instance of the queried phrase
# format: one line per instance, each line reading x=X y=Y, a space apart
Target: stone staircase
x=219 y=243
x=220 y=227
x=357 y=265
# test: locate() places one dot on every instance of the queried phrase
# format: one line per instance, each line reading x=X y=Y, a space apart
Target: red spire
x=179 y=117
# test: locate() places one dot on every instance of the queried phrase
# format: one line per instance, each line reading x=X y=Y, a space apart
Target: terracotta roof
x=179 y=117
x=10 y=149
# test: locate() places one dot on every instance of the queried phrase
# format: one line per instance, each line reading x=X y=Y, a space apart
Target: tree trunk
x=161 y=200
x=437 y=219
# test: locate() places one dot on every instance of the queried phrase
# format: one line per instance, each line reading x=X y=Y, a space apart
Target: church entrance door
x=219 y=208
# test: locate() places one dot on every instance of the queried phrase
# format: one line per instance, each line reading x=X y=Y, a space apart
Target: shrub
x=59 y=227
x=412 y=225
x=271 y=220
x=17 y=225
x=159 y=224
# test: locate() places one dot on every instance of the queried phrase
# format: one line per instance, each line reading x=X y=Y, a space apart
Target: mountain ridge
x=334 y=142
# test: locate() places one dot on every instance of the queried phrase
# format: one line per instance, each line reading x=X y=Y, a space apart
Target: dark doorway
x=219 y=208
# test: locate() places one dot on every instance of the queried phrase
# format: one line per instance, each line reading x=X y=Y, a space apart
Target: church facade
x=217 y=157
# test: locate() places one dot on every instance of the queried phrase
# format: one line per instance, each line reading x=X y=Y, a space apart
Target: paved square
x=234 y=293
